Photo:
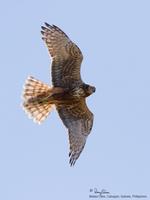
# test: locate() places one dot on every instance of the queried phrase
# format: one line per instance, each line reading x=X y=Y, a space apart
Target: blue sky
x=114 y=37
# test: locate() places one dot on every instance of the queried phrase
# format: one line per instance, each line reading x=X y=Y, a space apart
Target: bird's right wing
x=79 y=120
x=66 y=57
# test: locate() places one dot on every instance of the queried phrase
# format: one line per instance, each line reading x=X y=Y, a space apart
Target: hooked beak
x=94 y=89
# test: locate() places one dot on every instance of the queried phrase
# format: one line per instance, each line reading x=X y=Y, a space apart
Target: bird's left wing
x=79 y=120
x=66 y=57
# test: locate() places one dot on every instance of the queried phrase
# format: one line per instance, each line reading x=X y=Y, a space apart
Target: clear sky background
x=114 y=37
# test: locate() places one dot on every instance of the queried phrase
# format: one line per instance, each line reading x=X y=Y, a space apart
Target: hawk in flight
x=68 y=91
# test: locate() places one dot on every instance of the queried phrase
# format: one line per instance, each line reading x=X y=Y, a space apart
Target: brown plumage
x=67 y=94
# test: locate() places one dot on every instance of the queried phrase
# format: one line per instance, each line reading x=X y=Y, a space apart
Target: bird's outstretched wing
x=79 y=120
x=66 y=57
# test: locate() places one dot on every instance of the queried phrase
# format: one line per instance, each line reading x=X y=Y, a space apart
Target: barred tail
x=36 y=103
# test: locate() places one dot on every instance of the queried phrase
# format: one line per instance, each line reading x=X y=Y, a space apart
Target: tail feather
x=34 y=88
x=35 y=95
x=37 y=112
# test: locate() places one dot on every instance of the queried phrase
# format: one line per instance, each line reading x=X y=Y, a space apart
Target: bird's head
x=89 y=89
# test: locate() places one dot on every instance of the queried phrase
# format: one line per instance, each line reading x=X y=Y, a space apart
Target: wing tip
x=73 y=158
x=47 y=25
x=54 y=27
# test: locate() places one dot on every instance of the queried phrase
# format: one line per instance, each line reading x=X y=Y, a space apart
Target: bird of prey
x=68 y=91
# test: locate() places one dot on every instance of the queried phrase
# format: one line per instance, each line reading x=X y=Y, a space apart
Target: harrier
x=67 y=94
